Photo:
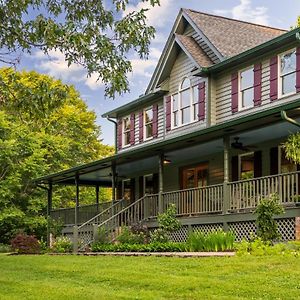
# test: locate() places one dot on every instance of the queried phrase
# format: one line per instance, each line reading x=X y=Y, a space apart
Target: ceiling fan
x=239 y=145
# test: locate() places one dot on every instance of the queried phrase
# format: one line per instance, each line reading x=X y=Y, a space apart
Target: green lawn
x=79 y=277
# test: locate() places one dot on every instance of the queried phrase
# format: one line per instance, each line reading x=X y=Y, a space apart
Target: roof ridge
x=236 y=20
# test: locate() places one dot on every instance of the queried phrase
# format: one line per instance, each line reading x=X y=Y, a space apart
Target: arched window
x=184 y=103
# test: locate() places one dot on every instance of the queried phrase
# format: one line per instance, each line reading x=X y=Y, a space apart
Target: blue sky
x=280 y=14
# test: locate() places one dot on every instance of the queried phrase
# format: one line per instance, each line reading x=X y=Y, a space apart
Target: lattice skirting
x=242 y=230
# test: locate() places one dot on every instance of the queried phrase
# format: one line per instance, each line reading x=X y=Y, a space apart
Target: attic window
x=184 y=104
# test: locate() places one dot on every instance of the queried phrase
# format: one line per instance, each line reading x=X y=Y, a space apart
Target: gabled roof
x=231 y=36
x=194 y=50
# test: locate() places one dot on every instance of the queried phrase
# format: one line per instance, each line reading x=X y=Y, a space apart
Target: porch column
x=160 y=182
x=113 y=181
x=97 y=197
x=226 y=196
x=49 y=208
x=76 y=199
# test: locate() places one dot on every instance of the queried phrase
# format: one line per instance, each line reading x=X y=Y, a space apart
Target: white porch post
x=49 y=208
x=226 y=195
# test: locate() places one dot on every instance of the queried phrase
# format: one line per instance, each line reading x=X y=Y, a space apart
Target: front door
x=128 y=189
x=196 y=176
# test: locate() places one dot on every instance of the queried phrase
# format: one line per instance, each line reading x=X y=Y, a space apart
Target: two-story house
x=206 y=135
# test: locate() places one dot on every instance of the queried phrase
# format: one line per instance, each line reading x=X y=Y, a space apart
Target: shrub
x=266 y=225
x=128 y=237
x=102 y=237
x=152 y=247
x=5 y=248
x=62 y=245
x=25 y=244
x=159 y=235
x=213 y=241
x=167 y=221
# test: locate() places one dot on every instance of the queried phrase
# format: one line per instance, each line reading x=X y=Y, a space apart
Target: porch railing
x=247 y=193
x=207 y=199
x=85 y=212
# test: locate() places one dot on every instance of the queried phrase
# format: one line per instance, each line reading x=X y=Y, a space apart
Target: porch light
x=166 y=161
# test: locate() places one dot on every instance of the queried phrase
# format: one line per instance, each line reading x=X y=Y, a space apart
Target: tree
x=95 y=34
x=44 y=127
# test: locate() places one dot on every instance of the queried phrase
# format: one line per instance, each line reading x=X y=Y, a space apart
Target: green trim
x=152 y=149
x=145 y=99
x=253 y=52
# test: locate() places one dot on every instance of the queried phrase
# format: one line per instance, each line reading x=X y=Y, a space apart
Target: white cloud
x=55 y=65
x=157 y=16
x=246 y=12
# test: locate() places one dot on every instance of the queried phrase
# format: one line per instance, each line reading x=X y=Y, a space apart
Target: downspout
x=290 y=120
x=116 y=128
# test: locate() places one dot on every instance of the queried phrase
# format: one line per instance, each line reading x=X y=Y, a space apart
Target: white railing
x=247 y=193
x=202 y=200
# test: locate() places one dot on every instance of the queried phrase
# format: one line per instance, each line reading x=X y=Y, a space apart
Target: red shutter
x=257 y=84
x=168 y=113
x=274 y=78
x=132 y=137
x=234 y=92
x=119 y=137
x=155 y=121
x=201 y=101
x=298 y=69
x=141 y=126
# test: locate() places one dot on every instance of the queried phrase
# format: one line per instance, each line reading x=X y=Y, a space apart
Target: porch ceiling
x=266 y=125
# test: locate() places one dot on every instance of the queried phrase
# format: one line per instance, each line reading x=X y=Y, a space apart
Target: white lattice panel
x=242 y=230
x=180 y=235
x=206 y=228
x=286 y=228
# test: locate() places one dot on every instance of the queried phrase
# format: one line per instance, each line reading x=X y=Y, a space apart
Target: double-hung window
x=246 y=86
x=185 y=104
x=126 y=131
x=148 y=123
x=288 y=72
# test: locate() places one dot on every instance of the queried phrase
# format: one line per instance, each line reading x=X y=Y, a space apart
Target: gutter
x=288 y=119
x=116 y=129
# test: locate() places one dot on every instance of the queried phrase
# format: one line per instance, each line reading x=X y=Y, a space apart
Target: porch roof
x=98 y=172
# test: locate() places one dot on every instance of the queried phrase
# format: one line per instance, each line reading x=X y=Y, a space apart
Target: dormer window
x=288 y=72
x=185 y=104
x=126 y=131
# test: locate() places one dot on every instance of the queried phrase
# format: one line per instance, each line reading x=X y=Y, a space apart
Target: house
x=206 y=135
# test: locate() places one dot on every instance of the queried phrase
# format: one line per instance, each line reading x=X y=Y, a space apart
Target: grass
x=79 y=277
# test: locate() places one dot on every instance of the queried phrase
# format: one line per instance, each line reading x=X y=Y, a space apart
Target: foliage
x=55 y=226
x=5 y=248
x=213 y=241
x=102 y=237
x=128 y=237
x=62 y=245
x=266 y=210
x=159 y=235
x=151 y=247
x=292 y=148
x=44 y=127
x=258 y=247
x=168 y=221
x=25 y=244
x=94 y=34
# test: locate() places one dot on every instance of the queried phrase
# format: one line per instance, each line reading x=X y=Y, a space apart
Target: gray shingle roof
x=230 y=36
x=195 y=50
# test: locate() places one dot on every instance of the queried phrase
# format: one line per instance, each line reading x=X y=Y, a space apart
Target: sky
x=282 y=14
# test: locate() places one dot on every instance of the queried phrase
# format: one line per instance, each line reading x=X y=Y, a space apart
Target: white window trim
x=240 y=108
x=279 y=85
x=240 y=162
x=144 y=181
x=123 y=132
x=144 y=124
x=179 y=110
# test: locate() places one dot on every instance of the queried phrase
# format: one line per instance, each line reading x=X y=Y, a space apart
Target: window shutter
x=168 y=113
x=119 y=137
x=257 y=164
x=201 y=101
x=234 y=168
x=132 y=137
x=141 y=126
x=234 y=92
x=257 y=84
x=298 y=69
x=155 y=121
x=274 y=161
x=274 y=78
